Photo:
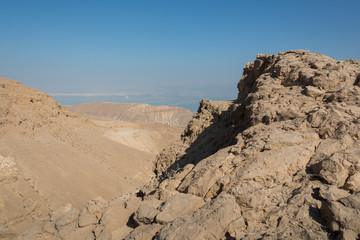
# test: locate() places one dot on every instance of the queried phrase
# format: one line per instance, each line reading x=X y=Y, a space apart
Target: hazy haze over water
x=185 y=98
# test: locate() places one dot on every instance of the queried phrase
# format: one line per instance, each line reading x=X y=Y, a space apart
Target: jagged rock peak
x=301 y=68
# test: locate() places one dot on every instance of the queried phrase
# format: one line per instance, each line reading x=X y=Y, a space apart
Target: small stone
x=147 y=211
x=87 y=219
x=353 y=182
x=59 y=212
x=332 y=193
x=69 y=217
x=177 y=206
x=236 y=227
x=96 y=206
x=313 y=92
x=347 y=235
x=104 y=235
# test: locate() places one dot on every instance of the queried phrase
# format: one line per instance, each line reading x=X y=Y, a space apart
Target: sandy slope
x=50 y=156
x=135 y=112
x=147 y=137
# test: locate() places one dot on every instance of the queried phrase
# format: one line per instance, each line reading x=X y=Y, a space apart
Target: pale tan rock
x=97 y=230
x=49 y=227
x=122 y=232
x=256 y=196
x=335 y=170
x=32 y=233
x=69 y=217
x=61 y=211
x=313 y=91
x=342 y=217
x=104 y=235
x=86 y=219
x=235 y=229
x=353 y=182
x=206 y=173
x=145 y=232
x=96 y=205
x=118 y=213
x=332 y=193
x=115 y=218
x=67 y=229
x=347 y=235
x=147 y=211
x=208 y=222
x=85 y=233
x=351 y=201
x=177 y=206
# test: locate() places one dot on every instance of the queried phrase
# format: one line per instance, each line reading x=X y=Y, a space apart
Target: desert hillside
x=144 y=136
x=134 y=112
x=50 y=157
x=282 y=161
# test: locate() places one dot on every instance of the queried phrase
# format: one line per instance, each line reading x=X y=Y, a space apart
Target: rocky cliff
x=135 y=112
x=282 y=161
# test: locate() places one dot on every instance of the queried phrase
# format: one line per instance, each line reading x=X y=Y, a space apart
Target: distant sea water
x=185 y=98
x=189 y=103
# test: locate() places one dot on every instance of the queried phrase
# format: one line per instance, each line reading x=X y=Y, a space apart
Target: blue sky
x=184 y=48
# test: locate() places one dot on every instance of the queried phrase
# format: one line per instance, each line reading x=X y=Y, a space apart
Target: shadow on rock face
x=220 y=133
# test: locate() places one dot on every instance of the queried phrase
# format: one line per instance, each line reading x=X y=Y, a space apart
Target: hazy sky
x=163 y=47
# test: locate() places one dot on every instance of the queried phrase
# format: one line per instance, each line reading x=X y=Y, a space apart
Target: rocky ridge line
x=281 y=161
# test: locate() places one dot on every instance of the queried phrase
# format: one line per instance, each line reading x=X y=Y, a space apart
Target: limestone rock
x=145 y=232
x=86 y=218
x=347 y=235
x=115 y=218
x=147 y=211
x=68 y=218
x=332 y=193
x=340 y=217
x=96 y=205
x=104 y=235
x=313 y=92
x=118 y=215
x=178 y=205
x=208 y=222
x=353 y=182
x=236 y=228
x=85 y=233
x=59 y=212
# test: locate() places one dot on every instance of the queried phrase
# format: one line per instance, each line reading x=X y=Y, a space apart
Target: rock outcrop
x=175 y=116
x=282 y=161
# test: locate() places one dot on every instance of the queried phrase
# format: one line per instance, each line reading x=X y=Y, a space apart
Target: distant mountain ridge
x=134 y=112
